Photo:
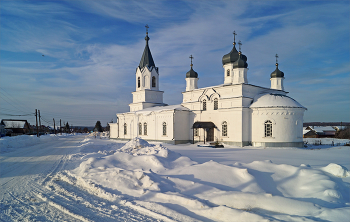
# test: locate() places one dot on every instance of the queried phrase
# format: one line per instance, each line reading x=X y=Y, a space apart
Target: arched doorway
x=208 y=129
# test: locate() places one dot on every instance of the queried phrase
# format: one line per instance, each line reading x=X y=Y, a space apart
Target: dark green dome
x=240 y=62
x=191 y=74
x=232 y=56
x=277 y=73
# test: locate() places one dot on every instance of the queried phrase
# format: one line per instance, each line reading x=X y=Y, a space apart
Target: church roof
x=146 y=59
x=157 y=109
x=277 y=73
x=275 y=100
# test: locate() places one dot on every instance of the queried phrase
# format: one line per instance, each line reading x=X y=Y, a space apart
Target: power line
x=14 y=99
x=5 y=114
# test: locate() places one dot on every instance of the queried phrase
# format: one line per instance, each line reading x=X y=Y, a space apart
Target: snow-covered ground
x=80 y=177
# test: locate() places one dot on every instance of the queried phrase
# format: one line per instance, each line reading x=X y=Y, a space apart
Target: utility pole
x=54 y=126
x=36 y=118
x=60 y=127
x=39 y=121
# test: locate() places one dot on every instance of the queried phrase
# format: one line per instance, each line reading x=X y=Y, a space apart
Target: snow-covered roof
x=274 y=100
x=14 y=123
x=158 y=109
x=305 y=131
x=321 y=129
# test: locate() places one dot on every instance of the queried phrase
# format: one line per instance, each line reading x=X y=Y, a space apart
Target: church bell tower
x=235 y=65
x=147 y=92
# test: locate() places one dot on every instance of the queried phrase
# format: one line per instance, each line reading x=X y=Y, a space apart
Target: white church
x=235 y=112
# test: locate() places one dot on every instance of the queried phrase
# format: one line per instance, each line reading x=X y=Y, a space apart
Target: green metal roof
x=146 y=59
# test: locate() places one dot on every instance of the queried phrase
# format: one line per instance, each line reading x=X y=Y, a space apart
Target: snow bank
x=8 y=144
x=336 y=170
x=175 y=186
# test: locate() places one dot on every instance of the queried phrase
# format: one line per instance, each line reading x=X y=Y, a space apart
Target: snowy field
x=83 y=178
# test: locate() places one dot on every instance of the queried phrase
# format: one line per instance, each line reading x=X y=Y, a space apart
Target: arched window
x=204 y=105
x=140 y=128
x=216 y=104
x=144 y=128
x=228 y=72
x=125 y=129
x=224 y=128
x=164 y=129
x=268 y=128
x=138 y=82
x=153 y=81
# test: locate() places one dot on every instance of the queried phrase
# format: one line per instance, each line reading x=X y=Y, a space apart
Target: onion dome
x=274 y=100
x=233 y=56
x=277 y=73
x=146 y=59
x=240 y=62
x=191 y=73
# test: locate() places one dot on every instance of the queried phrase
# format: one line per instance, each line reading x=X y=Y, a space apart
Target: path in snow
x=28 y=193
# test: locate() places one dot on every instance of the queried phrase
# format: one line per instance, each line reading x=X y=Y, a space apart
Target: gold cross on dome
x=234 y=36
x=191 y=57
x=276 y=58
x=146 y=28
x=240 y=44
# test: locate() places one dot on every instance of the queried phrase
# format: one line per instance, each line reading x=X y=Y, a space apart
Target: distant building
x=235 y=112
x=15 y=127
x=318 y=131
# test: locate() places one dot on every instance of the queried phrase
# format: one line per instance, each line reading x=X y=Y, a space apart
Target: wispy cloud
x=92 y=48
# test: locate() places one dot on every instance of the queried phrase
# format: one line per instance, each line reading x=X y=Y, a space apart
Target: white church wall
x=182 y=127
x=286 y=126
x=113 y=130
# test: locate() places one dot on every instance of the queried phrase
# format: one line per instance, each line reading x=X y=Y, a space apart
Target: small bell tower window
x=228 y=72
x=153 y=81
x=138 y=82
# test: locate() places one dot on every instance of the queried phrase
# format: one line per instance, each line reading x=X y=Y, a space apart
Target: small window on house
x=228 y=72
x=153 y=81
x=144 y=128
x=125 y=129
x=140 y=128
x=196 y=132
x=216 y=104
x=138 y=82
x=204 y=105
x=224 y=128
x=164 y=129
x=268 y=128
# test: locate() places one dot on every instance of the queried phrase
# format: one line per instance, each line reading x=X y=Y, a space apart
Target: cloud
x=92 y=48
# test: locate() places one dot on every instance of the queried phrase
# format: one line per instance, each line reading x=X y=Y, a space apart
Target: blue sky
x=92 y=48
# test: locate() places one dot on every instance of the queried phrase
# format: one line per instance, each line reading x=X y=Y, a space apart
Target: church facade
x=235 y=113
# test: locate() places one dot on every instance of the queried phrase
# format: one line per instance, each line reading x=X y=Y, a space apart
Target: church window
x=224 y=128
x=268 y=128
x=228 y=72
x=153 y=81
x=204 y=105
x=125 y=129
x=140 y=128
x=164 y=129
x=216 y=104
x=196 y=132
x=138 y=82
x=144 y=128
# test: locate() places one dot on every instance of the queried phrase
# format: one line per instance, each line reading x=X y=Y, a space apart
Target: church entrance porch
x=208 y=130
